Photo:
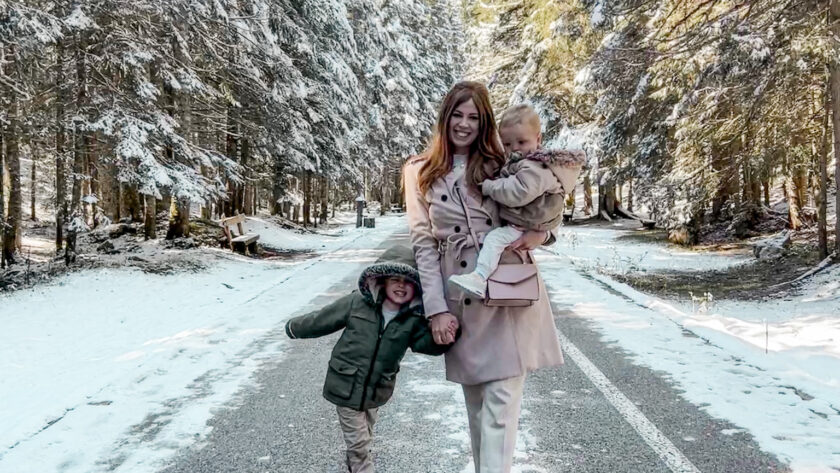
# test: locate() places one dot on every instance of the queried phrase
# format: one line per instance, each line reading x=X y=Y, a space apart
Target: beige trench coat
x=496 y=342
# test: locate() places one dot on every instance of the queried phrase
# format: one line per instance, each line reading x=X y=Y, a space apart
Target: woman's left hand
x=529 y=240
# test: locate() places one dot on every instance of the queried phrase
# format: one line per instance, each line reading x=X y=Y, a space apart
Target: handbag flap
x=513 y=273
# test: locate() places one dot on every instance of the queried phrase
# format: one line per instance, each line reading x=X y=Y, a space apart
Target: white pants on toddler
x=494 y=245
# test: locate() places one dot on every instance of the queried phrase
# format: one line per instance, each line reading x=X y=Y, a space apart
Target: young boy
x=381 y=321
x=530 y=191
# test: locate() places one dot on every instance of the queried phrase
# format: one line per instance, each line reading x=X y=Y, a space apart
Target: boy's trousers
x=493 y=413
x=357 y=427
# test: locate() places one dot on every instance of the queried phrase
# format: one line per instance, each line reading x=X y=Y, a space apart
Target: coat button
x=463 y=264
x=444 y=198
x=489 y=221
x=467 y=301
x=457 y=229
x=545 y=166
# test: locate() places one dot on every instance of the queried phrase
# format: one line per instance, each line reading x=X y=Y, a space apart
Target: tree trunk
x=607 y=200
x=385 y=201
x=12 y=137
x=131 y=203
x=80 y=144
x=179 y=218
x=822 y=199
x=755 y=189
x=94 y=184
x=60 y=177
x=800 y=186
x=232 y=150
x=834 y=78
x=766 y=185
x=587 y=194
x=307 y=197
x=244 y=191
x=2 y=192
x=109 y=190
x=33 y=184
x=149 y=222
x=325 y=192
x=794 y=219
x=335 y=200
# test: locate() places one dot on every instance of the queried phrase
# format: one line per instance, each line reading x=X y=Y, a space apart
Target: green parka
x=365 y=360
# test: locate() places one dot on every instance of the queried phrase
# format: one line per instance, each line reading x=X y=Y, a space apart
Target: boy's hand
x=453 y=328
x=440 y=328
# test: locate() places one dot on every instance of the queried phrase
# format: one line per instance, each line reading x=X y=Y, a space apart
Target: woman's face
x=463 y=127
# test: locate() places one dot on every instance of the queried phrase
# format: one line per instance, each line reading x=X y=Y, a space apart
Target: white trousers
x=493 y=411
x=357 y=427
x=494 y=245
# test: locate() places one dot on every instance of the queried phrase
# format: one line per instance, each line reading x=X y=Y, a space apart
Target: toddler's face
x=399 y=290
x=520 y=138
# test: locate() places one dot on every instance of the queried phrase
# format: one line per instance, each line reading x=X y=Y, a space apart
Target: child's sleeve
x=518 y=189
x=424 y=343
x=321 y=322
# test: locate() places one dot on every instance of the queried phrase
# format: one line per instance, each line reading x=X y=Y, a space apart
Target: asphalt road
x=598 y=413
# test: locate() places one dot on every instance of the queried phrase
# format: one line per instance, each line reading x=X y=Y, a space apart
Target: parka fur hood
x=397 y=260
x=560 y=161
x=531 y=188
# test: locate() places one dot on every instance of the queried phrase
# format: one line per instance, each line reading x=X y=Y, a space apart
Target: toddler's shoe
x=471 y=283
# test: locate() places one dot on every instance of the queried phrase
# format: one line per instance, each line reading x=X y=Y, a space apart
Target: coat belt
x=457 y=242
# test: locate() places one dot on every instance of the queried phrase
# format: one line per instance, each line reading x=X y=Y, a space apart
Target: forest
x=123 y=110
x=694 y=113
x=698 y=115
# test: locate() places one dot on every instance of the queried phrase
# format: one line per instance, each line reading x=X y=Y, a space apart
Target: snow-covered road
x=126 y=371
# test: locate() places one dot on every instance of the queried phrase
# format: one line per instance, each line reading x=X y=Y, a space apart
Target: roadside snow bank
x=788 y=398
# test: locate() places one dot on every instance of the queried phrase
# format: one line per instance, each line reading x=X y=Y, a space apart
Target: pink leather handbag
x=511 y=284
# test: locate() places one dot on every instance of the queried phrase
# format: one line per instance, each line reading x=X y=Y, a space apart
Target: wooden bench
x=248 y=241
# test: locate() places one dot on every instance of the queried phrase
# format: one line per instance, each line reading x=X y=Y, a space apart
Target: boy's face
x=520 y=138
x=399 y=290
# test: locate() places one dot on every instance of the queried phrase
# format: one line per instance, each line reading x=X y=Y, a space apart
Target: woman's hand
x=529 y=240
x=441 y=330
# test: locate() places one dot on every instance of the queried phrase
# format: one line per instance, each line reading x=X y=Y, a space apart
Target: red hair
x=486 y=152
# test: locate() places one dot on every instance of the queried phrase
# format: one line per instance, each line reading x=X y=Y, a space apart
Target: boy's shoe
x=471 y=283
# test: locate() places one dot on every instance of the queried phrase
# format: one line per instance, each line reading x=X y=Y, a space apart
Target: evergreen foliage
x=221 y=103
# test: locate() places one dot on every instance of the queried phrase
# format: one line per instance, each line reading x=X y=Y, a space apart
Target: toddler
x=530 y=191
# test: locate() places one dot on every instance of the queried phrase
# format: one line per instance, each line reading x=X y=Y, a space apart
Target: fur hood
x=397 y=260
x=554 y=157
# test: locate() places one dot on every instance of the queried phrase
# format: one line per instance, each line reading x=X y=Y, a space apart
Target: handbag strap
x=467 y=214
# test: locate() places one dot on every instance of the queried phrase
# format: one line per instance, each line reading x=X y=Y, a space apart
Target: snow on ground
x=287 y=239
x=788 y=398
x=116 y=369
x=596 y=246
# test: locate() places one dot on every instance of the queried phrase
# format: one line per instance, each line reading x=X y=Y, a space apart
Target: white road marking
x=667 y=451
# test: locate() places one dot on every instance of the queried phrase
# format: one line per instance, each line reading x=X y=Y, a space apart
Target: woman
x=498 y=345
